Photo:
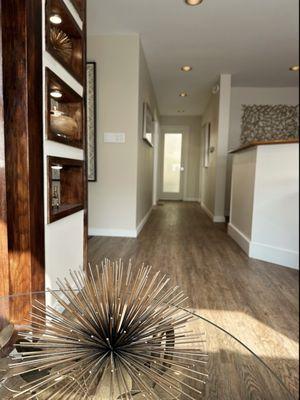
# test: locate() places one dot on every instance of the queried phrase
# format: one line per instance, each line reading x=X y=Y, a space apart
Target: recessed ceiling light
x=186 y=68
x=55 y=19
x=56 y=94
x=193 y=2
x=183 y=94
x=295 y=68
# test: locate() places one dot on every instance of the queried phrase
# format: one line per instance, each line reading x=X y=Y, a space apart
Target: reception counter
x=264 y=211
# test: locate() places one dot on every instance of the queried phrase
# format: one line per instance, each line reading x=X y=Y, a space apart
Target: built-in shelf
x=64 y=113
x=65 y=187
x=64 y=40
x=79 y=6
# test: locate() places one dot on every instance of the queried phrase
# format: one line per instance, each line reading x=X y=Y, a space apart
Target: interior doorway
x=172 y=180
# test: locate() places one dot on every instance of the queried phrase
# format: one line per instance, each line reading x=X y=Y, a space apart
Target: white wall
x=208 y=174
x=122 y=197
x=191 y=129
x=242 y=197
x=275 y=233
x=222 y=147
x=264 y=217
x=61 y=254
x=213 y=178
x=156 y=142
x=145 y=166
x=250 y=96
x=112 y=199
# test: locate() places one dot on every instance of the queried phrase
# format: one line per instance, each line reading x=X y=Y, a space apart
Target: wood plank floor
x=255 y=301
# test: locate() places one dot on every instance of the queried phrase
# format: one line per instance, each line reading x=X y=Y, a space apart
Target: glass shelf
x=234 y=371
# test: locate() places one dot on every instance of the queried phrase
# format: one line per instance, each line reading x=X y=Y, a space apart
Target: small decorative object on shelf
x=55 y=198
x=120 y=333
x=65 y=187
x=62 y=125
x=61 y=43
x=64 y=109
x=64 y=38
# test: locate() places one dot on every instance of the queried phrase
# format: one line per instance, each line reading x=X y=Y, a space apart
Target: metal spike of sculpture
x=122 y=336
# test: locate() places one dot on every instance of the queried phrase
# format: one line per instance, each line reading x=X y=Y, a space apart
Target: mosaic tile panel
x=269 y=122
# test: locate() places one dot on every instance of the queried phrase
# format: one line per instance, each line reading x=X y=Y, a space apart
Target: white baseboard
x=242 y=240
x=275 y=255
x=193 y=199
x=143 y=222
x=219 y=219
x=263 y=252
x=129 y=233
x=215 y=218
x=207 y=210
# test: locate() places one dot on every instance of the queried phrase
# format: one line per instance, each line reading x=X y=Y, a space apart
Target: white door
x=172 y=176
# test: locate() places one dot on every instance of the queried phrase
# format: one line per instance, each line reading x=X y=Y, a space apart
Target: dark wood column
x=21 y=132
x=4 y=272
x=83 y=11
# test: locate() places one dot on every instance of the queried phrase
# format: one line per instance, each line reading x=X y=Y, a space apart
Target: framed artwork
x=91 y=104
x=207 y=149
x=148 y=124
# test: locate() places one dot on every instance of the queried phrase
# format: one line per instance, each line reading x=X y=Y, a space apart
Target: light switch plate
x=114 y=137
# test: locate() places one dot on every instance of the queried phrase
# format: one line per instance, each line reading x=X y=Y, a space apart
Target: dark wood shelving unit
x=79 y=6
x=64 y=41
x=70 y=184
x=64 y=115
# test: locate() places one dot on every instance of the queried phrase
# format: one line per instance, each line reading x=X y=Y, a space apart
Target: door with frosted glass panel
x=172 y=176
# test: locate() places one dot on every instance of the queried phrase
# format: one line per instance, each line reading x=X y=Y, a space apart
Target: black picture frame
x=91 y=118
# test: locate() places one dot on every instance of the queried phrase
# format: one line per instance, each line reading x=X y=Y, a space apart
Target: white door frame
x=184 y=162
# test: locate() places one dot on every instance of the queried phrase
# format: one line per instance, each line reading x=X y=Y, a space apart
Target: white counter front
x=264 y=215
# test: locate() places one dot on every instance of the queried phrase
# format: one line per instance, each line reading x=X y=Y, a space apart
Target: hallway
x=255 y=301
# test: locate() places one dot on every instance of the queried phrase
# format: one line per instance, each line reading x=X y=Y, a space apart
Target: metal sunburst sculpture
x=122 y=336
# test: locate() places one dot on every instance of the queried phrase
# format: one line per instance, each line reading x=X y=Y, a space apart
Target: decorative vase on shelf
x=63 y=125
x=55 y=198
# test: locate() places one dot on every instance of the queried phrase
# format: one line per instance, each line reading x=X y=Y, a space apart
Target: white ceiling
x=256 y=41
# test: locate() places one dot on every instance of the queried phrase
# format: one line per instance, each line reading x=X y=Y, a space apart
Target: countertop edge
x=263 y=143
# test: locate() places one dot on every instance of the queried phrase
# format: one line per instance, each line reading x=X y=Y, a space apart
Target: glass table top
x=223 y=367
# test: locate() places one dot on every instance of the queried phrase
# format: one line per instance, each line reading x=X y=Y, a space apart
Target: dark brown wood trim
x=4 y=269
x=85 y=184
x=23 y=131
x=260 y=143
